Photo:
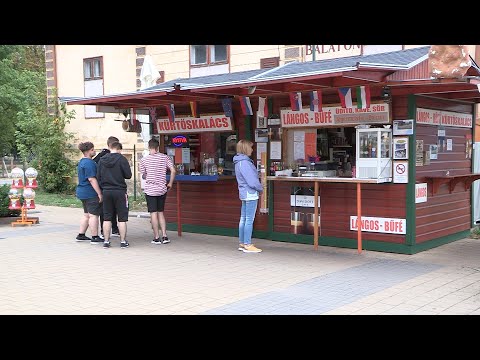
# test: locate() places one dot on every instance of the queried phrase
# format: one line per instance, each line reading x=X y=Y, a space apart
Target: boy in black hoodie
x=115 y=232
x=113 y=169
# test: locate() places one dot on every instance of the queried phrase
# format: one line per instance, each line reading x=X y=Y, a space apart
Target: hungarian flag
x=296 y=101
x=245 y=105
x=171 y=112
x=193 y=108
x=345 y=94
x=363 y=97
x=316 y=100
x=262 y=107
x=227 y=107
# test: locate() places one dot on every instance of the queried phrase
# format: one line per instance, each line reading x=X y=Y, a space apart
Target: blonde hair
x=243 y=146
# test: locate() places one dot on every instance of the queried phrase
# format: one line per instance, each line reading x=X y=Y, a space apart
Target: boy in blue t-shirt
x=88 y=191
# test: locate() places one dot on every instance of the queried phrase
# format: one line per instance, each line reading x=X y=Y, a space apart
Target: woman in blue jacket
x=249 y=188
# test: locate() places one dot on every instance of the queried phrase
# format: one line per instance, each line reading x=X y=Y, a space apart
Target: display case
x=374 y=154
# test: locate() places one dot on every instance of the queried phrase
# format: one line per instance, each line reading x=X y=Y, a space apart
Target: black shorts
x=156 y=203
x=115 y=201
x=92 y=206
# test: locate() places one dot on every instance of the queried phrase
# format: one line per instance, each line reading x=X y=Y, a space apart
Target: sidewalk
x=43 y=270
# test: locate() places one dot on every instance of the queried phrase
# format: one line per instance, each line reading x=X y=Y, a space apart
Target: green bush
x=475 y=232
x=44 y=144
x=4 y=201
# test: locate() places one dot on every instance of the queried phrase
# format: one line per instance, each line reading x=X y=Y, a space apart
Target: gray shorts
x=92 y=206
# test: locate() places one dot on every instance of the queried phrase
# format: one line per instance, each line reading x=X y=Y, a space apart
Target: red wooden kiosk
x=441 y=114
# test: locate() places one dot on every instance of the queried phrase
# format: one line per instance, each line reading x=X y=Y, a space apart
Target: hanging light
x=386 y=93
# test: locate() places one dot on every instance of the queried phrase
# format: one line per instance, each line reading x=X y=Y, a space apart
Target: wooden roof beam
x=192 y=95
x=459 y=95
x=429 y=89
x=114 y=98
x=370 y=76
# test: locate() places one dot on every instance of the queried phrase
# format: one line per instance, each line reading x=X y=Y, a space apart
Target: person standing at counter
x=249 y=187
x=153 y=168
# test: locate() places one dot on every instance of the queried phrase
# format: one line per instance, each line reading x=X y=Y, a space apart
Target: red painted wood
x=444 y=213
x=338 y=203
x=213 y=204
x=419 y=71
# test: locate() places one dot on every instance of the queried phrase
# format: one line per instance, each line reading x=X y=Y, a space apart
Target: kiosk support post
x=359 y=217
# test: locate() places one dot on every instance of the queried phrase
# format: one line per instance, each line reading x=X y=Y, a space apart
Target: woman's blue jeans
x=245 y=226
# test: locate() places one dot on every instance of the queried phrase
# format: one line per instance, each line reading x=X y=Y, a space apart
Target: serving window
x=203 y=153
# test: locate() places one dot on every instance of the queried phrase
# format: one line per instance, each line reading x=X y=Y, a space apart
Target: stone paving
x=43 y=270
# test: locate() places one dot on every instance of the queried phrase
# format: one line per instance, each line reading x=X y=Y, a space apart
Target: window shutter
x=266 y=63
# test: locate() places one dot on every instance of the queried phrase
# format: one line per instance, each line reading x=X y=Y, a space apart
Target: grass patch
x=137 y=205
x=69 y=200
x=63 y=200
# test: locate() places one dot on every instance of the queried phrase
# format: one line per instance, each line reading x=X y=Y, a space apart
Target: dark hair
x=111 y=140
x=85 y=146
x=153 y=144
x=116 y=145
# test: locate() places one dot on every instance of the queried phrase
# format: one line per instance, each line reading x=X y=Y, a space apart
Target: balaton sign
x=194 y=125
x=331 y=51
x=445 y=118
x=336 y=115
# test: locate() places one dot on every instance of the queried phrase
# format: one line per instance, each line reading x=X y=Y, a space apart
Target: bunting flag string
x=245 y=105
x=316 y=100
x=153 y=113
x=132 y=116
x=194 y=108
x=296 y=101
x=227 y=107
x=262 y=107
x=345 y=94
x=363 y=97
x=171 y=112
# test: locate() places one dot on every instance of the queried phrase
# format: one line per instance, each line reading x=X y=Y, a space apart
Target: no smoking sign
x=400 y=172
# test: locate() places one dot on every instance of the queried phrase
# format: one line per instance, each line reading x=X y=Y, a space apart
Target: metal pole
x=359 y=217
x=134 y=174
x=313 y=53
x=315 y=220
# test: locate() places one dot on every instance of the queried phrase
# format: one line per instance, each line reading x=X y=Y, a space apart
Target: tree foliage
x=44 y=144
x=27 y=129
x=22 y=87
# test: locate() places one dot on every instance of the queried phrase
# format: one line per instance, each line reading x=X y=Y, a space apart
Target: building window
x=208 y=54
x=93 y=84
x=93 y=68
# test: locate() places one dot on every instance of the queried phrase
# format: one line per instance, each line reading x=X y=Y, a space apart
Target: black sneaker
x=106 y=244
x=96 y=240
x=82 y=237
x=165 y=240
x=115 y=233
x=156 y=241
x=124 y=245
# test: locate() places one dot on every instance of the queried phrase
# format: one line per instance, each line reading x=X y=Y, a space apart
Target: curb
x=139 y=215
